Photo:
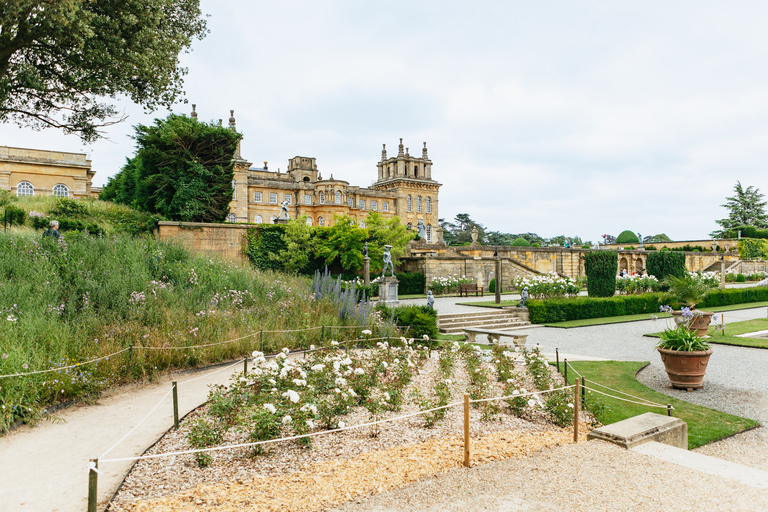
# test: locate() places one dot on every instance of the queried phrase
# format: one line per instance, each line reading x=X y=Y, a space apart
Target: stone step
x=485 y=312
x=493 y=326
x=476 y=323
x=488 y=318
x=711 y=465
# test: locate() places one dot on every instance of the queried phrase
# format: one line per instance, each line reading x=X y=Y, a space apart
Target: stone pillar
x=498 y=279
x=367 y=270
x=722 y=272
x=388 y=291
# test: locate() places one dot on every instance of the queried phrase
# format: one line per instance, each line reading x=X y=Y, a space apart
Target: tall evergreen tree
x=746 y=208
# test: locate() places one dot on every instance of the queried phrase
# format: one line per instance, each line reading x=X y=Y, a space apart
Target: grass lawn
x=704 y=424
x=733 y=328
x=646 y=316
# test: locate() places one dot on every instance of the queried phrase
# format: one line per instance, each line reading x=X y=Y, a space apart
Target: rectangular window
x=289 y=198
x=257 y=197
x=386 y=206
x=273 y=197
x=362 y=204
x=374 y=205
x=350 y=202
x=307 y=199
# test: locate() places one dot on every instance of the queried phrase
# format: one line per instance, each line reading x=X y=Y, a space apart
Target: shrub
x=547 y=285
x=665 y=263
x=753 y=248
x=492 y=286
x=741 y=278
x=601 y=272
x=411 y=283
x=627 y=237
x=421 y=319
x=264 y=244
x=15 y=215
x=521 y=242
x=535 y=244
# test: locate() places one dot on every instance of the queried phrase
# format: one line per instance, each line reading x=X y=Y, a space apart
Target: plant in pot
x=689 y=290
x=684 y=352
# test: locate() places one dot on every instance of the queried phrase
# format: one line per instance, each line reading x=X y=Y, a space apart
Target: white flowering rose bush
x=547 y=286
x=636 y=284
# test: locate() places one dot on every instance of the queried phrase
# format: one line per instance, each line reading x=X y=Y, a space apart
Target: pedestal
x=388 y=291
x=367 y=271
x=281 y=221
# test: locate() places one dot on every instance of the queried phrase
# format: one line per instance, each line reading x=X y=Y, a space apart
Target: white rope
x=239 y=361
x=64 y=367
x=196 y=346
x=139 y=423
x=532 y=393
x=618 y=391
x=649 y=404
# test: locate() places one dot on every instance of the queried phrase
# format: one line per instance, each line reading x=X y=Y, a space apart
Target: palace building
x=404 y=188
x=29 y=172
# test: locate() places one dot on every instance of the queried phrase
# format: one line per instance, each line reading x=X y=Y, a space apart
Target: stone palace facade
x=404 y=188
x=32 y=172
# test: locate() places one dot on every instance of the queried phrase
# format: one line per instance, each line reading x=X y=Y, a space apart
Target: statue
x=284 y=209
x=524 y=298
x=430 y=300
x=421 y=229
x=387 y=261
x=365 y=250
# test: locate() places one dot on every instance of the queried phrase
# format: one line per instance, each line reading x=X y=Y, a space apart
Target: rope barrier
x=239 y=361
x=532 y=393
x=649 y=404
x=197 y=346
x=574 y=369
x=65 y=367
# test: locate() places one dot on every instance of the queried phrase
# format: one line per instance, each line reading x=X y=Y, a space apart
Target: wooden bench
x=466 y=288
x=495 y=336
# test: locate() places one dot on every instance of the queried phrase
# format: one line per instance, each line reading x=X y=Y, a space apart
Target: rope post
x=245 y=365
x=669 y=409
x=576 y=413
x=583 y=388
x=565 y=368
x=93 y=481
x=175 y=407
x=557 y=358
x=466 y=430
x=130 y=355
x=322 y=333
x=261 y=341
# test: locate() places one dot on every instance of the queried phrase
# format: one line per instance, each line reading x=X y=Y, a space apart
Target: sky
x=554 y=117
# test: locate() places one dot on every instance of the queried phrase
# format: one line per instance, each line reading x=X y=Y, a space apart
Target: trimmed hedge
x=578 y=308
x=601 y=272
x=411 y=283
x=627 y=237
x=492 y=286
x=664 y=263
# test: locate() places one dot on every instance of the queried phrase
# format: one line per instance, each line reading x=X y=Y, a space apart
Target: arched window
x=231 y=217
x=415 y=171
x=272 y=219
x=389 y=172
x=429 y=232
x=418 y=204
x=234 y=190
x=322 y=197
x=309 y=221
x=25 y=188
x=320 y=221
x=338 y=197
x=429 y=204
x=61 y=190
x=409 y=203
x=257 y=219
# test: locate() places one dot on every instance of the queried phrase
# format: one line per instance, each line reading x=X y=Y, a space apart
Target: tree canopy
x=182 y=170
x=59 y=59
x=745 y=208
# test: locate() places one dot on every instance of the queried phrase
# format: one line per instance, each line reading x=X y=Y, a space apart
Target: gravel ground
x=592 y=476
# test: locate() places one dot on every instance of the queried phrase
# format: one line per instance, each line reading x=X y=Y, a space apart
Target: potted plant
x=684 y=352
x=689 y=290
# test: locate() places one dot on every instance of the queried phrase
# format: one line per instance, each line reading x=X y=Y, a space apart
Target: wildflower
x=425 y=337
x=531 y=402
x=287 y=419
x=25 y=366
x=334 y=343
x=5 y=356
x=311 y=347
x=292 y=395
x=570 y=406
x=342 y=424
x=12 y=318
x=358 y=371
x=366 y=332
x=271 y=408
x=310 y=424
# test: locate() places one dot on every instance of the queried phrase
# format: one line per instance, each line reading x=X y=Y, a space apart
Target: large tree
x=182 y=170
x=745 y=208
x=60 y=58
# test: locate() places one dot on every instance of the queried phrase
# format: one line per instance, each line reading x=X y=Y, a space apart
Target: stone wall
x=224 y=240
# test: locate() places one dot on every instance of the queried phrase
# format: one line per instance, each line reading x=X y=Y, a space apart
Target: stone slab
x=711 y=465
x=642 y=429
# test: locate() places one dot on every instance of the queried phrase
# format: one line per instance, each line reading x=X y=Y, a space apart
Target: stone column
x=722 y=272
x=498 y=278
x=367 y=270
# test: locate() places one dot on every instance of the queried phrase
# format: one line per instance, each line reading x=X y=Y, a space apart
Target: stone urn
x=699 y=323
x=685 y=369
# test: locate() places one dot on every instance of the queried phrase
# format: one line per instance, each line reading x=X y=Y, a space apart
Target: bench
x=466 y=288
x=495 y=336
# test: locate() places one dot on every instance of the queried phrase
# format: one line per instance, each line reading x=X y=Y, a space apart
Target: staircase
x=491 y=318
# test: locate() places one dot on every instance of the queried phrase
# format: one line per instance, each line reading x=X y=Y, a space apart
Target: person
x=52 y=231
x=284 y=209
x=430 y=300
x=387 y=261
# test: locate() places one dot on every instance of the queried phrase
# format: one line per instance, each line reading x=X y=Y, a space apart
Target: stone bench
x=494 y=336
x=641 y=429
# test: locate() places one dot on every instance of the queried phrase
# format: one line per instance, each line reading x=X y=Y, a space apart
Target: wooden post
x=669 y=409
x=557 y=358
x=261 y=340
x=583 y=388
x=245 y=365
x=466 y=430
x=175 y=407
x=576 y=413
x=565 y=370
x=93 y=481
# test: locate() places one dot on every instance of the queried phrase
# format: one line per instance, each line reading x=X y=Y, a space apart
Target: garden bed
x=352 y=463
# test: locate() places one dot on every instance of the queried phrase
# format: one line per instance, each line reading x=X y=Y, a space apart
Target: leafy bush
x=421 y=319
x=577 y=308
x=264 y=245
x=15 y=215
x=727 y=297
x=521 y=242
x=741 y=278
x=411 y=283
x=492 y=286
x=627 y=237
x=665 y=263
x=601 y=272
x=535 y=244
x=547 y=285
x=753 y=248
x=69 y=208
x=637 y=284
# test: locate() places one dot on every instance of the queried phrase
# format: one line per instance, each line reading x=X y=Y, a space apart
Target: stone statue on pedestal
x=524 y=298
x=421 y=229
x=284 y=209
x=430 y=300
x=388 y=261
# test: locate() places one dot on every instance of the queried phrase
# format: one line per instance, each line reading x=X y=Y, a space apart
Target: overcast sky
x=575 y=118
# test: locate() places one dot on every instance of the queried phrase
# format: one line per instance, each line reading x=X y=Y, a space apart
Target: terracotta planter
x=685 y=369
x=700 y=324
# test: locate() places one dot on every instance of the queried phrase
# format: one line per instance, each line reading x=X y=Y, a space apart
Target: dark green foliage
x=411 y=283
x=521 y=242
x=492 y=286
x=263 y=242
x=601 y=269
x=727 y=297
x=76 y=225
x=15 y=215
x=421 y=319
x=182 y=170
x=560 y=310
x=746 y=232
x=627 y=237
x=70 y=208
x=741 y=278
x=665 y=263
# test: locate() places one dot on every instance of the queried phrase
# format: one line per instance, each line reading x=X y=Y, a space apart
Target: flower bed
x=547 y=286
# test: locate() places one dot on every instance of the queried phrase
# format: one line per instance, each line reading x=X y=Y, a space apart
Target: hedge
x=601 y=272
x=578 y=308
x=664 y=263
x=411 y=283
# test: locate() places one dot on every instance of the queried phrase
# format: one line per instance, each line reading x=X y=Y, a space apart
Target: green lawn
x=731 y=329
x=705 y=425
x=646 y=316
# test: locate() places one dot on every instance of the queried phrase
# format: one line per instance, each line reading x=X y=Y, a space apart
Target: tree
x=182 y=170
x=345 y=243
x=746 y=208
x=300 y=246
x=383 y=232
x=58 y=57
x=460 y=232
